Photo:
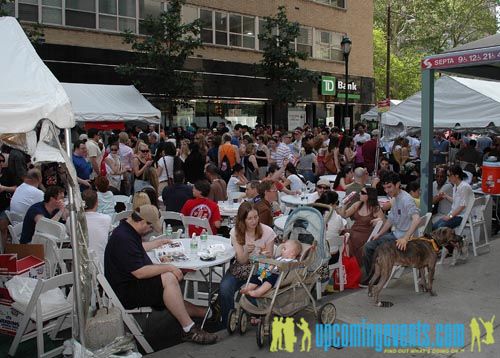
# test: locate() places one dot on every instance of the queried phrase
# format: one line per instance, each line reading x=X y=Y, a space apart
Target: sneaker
x=199 y=336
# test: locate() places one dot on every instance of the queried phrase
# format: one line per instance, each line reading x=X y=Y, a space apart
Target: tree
x=280 y=63
x=3 y=7
x=423 y=27
x=161 y=54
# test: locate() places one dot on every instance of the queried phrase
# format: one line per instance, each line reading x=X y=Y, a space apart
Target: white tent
x=93 y=102
x=468 y=102
x=372 y=114
x=29 y=91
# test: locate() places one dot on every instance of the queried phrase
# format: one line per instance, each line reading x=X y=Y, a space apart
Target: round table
x=280 y=221
x=228 y=209
x=194 y=262
x=331 y=177
x=296 y=200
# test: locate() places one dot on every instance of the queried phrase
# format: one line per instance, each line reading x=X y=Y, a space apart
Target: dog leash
x=433 y=243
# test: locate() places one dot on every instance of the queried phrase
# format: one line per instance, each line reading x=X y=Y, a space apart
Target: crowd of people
x=193 y=169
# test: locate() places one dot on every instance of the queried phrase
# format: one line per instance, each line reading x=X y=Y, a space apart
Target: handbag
x=170 y=181
x=240 y=271
x=330 y=164
x=352 y=272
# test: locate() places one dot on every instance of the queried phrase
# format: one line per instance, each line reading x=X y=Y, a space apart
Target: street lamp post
x=345 y=44
x=388 y=54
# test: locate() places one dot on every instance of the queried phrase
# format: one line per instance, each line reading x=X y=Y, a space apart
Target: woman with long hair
x=365 y=213
x=349 y=152
x=262 y=155
x=114 y=168
x=184 y=149
x=332 y=158
x=250 y=163
x=344 y=178
x=213 y=151
x=248 y=237
x=194 y=165
x=307 y=163
x=165 y=164
x=142 y=167
x=296 y=181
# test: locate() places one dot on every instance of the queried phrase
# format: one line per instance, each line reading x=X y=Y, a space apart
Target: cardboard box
x=19 y=260
x=10 y=319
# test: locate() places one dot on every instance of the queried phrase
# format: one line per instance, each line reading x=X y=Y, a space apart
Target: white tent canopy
x=469 y=102
x=372 y=114
x=93 y=102
x=29 y=91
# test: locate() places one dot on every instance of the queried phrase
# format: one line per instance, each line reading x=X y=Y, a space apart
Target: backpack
x=225 y=169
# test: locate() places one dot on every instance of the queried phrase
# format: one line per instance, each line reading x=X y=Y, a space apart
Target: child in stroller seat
x=266 y=278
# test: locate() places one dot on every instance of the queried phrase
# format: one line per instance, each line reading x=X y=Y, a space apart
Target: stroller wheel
x=261 y=334
x=232 y=321
x=327 y=313
x=243 y=322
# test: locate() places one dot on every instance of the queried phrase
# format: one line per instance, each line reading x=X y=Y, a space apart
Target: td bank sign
x=330 y=86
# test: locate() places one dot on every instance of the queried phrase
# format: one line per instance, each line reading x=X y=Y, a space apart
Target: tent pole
x=426 y=173
x=76 y=259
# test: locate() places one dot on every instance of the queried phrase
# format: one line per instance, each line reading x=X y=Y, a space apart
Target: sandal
x=199 y=336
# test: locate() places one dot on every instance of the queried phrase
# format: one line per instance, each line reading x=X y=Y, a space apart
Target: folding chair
x=170 y=215
x=53 y=230
x=15 y=232
x=119 y=217
x=14 y=218
x=127 y=315
x=53 y=257
x=198 y=222
x=397 y=271
x=476 y=219
x=124 y=199
x=47 y=320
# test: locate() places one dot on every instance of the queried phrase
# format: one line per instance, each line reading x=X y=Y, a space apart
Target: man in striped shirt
x=279 y=151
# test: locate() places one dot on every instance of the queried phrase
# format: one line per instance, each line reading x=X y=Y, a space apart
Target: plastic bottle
x=193 y=245
x=203 y=240
x=168 y=232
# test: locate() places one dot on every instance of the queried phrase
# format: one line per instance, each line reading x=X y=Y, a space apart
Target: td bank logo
x=475 y=333
x=328 y=85
x=284 y=337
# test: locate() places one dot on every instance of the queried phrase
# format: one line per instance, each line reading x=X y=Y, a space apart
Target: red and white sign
x=465 y=59
x=384 y=105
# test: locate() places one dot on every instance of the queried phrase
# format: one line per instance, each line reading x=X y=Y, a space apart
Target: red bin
x=491 y=177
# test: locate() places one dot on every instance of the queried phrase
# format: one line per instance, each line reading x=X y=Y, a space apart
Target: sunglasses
x=362 y=192
x=144 y=150
x=323 y=187
x=114 y=149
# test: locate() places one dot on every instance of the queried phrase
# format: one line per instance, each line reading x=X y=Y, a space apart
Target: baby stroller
x=292 y=291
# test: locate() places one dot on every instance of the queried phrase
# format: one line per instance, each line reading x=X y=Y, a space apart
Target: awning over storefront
x=111 y=103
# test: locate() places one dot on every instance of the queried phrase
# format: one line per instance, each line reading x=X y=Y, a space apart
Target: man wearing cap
x=369 y=151
x=322 y=186
x=139 y=283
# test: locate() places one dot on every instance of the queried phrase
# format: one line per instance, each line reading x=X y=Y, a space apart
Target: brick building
x=83 y=44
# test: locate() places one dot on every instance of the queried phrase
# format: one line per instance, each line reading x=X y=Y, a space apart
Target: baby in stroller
x=268 y=275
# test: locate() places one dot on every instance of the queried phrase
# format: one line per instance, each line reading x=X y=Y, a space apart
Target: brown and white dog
x=420 y=253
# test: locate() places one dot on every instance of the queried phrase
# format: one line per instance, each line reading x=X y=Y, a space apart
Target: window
x=337 y=3
x=220 y=28
x=52 y=12
x=149 y=8
x=80 y=13
x=206 y=19
x=9 y=8
x=242 y=31
x=327 y=45
x=305 y=41
x=262 y=29
x=28 y=10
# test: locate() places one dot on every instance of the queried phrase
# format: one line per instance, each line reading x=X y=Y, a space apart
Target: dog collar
x=432 y=241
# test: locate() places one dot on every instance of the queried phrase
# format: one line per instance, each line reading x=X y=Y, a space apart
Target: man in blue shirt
x=139 y=283
x=440 y=148
x=82 y=166
x=235 y=139
x=52 y=207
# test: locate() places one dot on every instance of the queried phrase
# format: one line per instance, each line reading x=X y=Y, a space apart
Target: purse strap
x=166 y=168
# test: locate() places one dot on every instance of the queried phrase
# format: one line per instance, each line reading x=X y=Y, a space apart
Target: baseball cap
x=375 y=132
x=323 y=182
x=83 y=136
x=151 y=214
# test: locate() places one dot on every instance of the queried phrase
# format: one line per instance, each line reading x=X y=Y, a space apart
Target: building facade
x=83 y=43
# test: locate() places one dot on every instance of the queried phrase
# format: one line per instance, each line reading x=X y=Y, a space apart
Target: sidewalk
x=463 y=292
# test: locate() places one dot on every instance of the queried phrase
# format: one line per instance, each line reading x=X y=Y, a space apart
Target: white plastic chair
x=127 y=315
x=375 y=230
x=476 y=219
x=53 y=256
x=191 y=220
x=398 y=270
x=13 y=217
x=52 y=229
x=120 y=216
x=54 y=317
x=15 y=232
x=126 y=200
x=170 y=215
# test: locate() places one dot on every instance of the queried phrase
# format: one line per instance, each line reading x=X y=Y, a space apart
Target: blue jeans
x=451 y=223
x=370 y=248
x=308 y=175
x=228 y=287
